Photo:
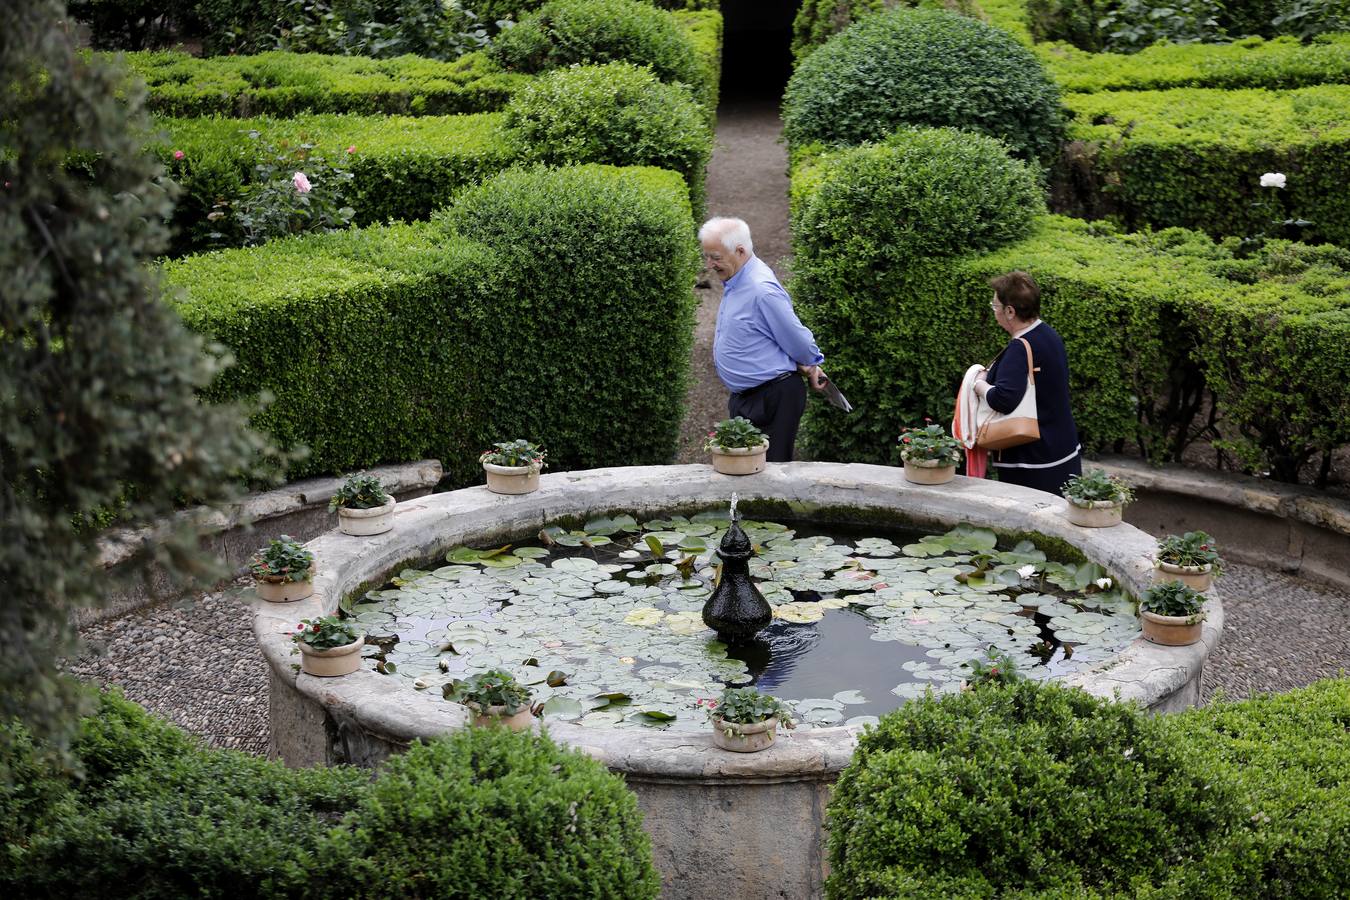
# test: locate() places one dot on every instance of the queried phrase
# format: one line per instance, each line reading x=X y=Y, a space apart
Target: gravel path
x=1281 y=632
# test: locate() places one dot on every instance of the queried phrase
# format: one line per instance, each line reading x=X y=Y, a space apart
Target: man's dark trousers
x=776 y=408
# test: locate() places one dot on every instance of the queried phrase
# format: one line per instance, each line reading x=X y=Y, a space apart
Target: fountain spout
x=736 y=610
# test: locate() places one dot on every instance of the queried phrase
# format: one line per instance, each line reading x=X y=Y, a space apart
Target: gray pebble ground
x=1280 y=632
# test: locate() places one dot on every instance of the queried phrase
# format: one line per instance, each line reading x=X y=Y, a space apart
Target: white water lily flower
x=1027 y=571
x=1272 y=179
x=1103 y=583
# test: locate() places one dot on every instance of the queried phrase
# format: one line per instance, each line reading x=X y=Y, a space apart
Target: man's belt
x=749 y=392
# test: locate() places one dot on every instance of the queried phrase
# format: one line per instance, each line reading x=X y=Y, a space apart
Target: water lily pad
x=850 y=698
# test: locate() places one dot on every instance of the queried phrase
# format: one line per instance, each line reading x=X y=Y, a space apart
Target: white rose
x=1272 y=179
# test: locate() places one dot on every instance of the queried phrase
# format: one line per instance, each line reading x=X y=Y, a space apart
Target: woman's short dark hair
x=1020 y=291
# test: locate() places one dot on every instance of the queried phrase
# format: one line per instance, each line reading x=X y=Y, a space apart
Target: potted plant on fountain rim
x=746 y=721
x=1191 y=558
x=495 y=698
x=737 y=447
x=930 y=454
x=283 y=571
x=1171 y=614
x=1096 y=499
x=363 y=506
x=512 y=467
x=329 y=646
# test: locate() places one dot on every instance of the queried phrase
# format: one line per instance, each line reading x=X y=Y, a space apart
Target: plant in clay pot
x=1191 y=558
x=737 y=447
x=494 y=697
x=746 y=721
x=1172 y=614
x=513 y=467
x=329 y=646
x=283 y=571
x=1096 y=499
x=364 y=507
x=931 y=455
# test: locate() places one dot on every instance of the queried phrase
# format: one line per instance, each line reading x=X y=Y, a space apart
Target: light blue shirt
x=759 y=336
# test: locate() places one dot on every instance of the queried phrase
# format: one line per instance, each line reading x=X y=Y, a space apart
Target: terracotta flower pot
x=1095 y=513
x=744 y=738
x=1171 y=631
x=337 y=661
x=511 y=479
x=739 y=460
x=365 y=522
x=274 y=590
x=494 y=716
x=929 y=471
x=1197 y=578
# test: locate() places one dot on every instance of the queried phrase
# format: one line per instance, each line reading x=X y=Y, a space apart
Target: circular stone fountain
x=715 y=818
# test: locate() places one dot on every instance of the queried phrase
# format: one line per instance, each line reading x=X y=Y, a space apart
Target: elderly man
x=760 y=344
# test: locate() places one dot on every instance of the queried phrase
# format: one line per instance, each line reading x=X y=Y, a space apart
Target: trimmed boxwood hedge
x=819 y=20
x=481 y=813
x=282 y=84
x=1032 y=787
x=1159 y=327
x=1040 y=791
x=1250 y=63
x=286 y=84
x=1194 y=158
x=922 y=67
x=404 y=167
x=524 y=310
x=618 y=114
x=567 y=32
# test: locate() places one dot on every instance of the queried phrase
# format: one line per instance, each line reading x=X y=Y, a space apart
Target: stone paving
x=195 y=662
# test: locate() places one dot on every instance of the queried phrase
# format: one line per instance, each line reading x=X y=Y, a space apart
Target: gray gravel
x=1281 y=633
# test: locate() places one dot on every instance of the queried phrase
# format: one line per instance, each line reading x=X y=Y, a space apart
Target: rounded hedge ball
x=926 y=192
x=923 y=67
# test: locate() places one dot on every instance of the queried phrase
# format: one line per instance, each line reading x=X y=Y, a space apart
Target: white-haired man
x=760 y=345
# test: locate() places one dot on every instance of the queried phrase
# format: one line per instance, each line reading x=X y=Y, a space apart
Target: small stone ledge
x=429 y=526
x=1291 y=528
x=299 y=508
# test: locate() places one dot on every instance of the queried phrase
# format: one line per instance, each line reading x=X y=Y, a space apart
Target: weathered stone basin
x=716 y=818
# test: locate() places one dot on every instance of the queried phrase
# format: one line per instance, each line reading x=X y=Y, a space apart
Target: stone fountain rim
x=428 y=526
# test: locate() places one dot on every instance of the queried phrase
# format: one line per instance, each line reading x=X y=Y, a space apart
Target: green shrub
x=488 y=812
x=1250 y=63
x=1128 y=25
x=566 y=32
x=1023 y=787
x=929 y=192
x=157 y=815
x=819 y=20
x=286 y=84
x=924 y=68
x=1254 y=325
x=1193 y=158
x=1290 y=758
x=617 y=114
x=405 y=342
x=403 y=168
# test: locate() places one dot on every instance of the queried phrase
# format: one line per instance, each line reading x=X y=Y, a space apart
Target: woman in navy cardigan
x=1049 y=462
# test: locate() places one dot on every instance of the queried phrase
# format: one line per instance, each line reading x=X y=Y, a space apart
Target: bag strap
x=1031 y=365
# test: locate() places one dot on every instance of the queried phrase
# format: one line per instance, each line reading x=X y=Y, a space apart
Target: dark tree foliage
x=98 y=417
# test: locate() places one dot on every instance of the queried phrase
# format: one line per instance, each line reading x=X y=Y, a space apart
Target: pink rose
x=301 y=183
x=351 y=149
x=178 y=154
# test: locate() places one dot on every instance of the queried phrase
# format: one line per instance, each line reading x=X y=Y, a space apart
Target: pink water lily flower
x=301 y=182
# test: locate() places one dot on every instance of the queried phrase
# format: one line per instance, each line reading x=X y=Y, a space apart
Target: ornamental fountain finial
x=736 y=610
